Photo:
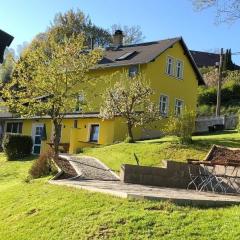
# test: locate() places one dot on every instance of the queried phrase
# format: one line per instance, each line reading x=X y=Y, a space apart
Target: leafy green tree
x=7 y=67
x=48 y=80
x=227 y=61
x=130 y=98
x=76 y=22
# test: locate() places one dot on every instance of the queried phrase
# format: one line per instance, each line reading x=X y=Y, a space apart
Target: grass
x=39 y=211
x=152 y=152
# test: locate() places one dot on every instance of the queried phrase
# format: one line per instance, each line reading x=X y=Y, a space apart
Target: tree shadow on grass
x=223 y=142
x=216 y=133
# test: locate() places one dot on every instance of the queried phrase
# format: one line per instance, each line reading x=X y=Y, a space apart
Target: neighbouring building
x=173 y=75
x=207 y=59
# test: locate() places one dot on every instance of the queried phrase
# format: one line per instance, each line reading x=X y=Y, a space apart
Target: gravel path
x=89 y=168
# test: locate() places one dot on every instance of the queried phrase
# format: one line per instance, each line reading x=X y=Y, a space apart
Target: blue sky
x=158 y=19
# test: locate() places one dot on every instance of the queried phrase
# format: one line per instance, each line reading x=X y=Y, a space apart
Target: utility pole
x=219 y=84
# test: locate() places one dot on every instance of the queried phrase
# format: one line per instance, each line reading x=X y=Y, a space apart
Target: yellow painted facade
x=110 y=131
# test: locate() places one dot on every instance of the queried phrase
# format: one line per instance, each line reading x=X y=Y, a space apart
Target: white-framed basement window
x=164 y=103
x=178 y=107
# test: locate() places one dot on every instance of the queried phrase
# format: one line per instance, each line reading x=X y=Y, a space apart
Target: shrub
x=181 y=126
x=79 y=150
x=17 y=146
x=238 y=125
x=43 y=166
x=206 y=110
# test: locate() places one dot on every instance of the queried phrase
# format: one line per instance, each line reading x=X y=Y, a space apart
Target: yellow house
x=172 y=73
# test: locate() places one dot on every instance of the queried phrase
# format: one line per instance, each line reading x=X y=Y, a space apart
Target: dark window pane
x=15 y=128
x=37 y=140
x=20 y=127
x=9 y=127
x=36 y=149
x=75 y=124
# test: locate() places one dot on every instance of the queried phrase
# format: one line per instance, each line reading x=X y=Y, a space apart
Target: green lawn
x=152 y=152
x=40 y=211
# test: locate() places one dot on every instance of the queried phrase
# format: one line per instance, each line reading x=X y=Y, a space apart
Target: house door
x=37 y=135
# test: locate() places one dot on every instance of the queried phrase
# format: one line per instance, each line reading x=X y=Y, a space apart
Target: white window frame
x=172 y=66
x=89 y=132
x=175 y=106
x=11 y=128
x=34 y=125
x=80 y=101
x=167 y=105
x=181 y=69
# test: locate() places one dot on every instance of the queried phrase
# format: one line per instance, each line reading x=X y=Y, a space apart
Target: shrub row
x=17 y=146
x=230 y=94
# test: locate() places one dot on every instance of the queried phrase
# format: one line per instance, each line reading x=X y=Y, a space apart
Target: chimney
x=118 y=38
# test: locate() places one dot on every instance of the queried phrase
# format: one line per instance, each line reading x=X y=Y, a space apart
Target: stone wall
x=231 y=122
x=202 y=123
x=172 y=175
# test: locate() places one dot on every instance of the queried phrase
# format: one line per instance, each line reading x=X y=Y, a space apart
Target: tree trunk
x=56 y=139
x=130 y=134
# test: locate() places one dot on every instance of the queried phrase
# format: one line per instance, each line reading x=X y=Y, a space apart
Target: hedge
x=17 y=146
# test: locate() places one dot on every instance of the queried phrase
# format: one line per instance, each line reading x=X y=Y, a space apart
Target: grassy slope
x=152 y=152
x=41 y=211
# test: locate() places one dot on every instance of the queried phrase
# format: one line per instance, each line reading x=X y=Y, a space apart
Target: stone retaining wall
x=172 y=175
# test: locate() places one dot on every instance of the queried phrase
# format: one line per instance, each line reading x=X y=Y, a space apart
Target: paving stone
x=135 y=191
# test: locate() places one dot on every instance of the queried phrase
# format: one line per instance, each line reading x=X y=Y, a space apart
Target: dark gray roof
x=143 y=53
x=205 y=59
x=5 y=41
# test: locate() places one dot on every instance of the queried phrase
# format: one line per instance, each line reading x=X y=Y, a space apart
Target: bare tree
x=227 y=10
x=132 y=34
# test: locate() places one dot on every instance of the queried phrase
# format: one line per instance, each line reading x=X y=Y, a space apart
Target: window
x=163 y=105
x=75 y=123
x=133 y=71
x=126 y=56
x=80 y=102
x=178 y=107
x=14 y=127
x=94 y=132
x=179 y=69
x=170 y=65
